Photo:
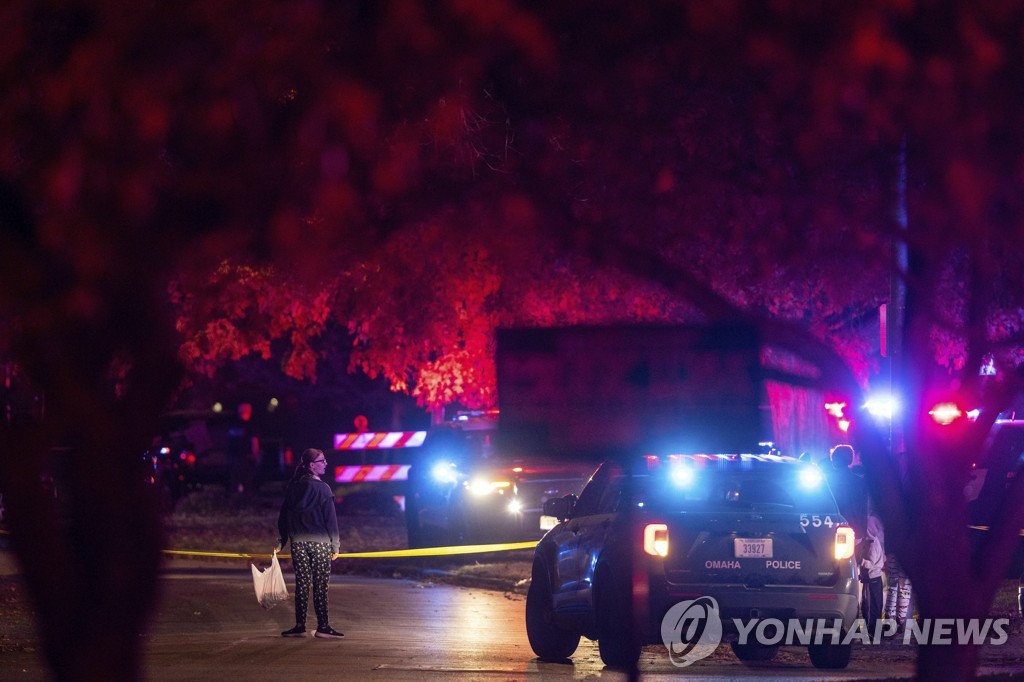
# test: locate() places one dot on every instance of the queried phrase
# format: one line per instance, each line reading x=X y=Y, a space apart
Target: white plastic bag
x=269 y=584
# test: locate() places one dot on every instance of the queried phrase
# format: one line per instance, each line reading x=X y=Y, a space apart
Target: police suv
x=462 y=490
x=761 y=534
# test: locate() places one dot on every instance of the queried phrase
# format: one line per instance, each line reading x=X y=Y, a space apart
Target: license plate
x=548 y=522
x=753 y=548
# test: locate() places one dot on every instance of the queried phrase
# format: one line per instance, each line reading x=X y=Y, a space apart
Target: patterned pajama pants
x=897 y=601
x=311 y=562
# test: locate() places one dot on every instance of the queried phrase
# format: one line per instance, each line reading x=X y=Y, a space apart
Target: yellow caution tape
x=442 y=551
x=386 y=554
x=221 y=555
x=1021 y=532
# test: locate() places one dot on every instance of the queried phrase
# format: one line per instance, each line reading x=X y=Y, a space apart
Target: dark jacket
x=851 y=495
x=307 y=513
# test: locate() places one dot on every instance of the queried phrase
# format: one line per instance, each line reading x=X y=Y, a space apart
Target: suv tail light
x=844 y=542
x=656 y=539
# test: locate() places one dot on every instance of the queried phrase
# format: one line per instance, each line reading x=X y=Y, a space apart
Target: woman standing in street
x=308 y=519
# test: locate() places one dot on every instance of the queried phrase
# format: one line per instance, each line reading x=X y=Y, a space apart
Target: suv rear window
x=685 y=484
x=705 y=485
x=721 y=491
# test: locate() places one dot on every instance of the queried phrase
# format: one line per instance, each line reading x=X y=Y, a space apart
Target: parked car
x=193 y=448
x=761 y=534
x=171 y=471
x=996 y=467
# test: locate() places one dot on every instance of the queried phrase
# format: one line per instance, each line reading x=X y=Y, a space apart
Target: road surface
x=209 y=627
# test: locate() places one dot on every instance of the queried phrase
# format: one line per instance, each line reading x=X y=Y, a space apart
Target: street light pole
x=896 y=310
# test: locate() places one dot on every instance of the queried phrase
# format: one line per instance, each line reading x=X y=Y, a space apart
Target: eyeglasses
x=319 y=461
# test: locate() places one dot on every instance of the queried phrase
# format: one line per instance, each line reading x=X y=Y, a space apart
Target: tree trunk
x=89 y=555
x=947 y=662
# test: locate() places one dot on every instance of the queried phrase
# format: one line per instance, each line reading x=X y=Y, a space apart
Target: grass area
x=210 y=521
x=1005 y=603
x=512 y=573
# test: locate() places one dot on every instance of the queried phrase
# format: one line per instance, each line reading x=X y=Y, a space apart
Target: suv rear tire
x=830 y=656
x=547 y=639
x=618 y=646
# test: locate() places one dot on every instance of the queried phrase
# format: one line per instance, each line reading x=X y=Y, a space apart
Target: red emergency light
x=945 y=413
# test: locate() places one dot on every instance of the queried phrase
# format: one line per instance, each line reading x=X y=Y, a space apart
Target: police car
x=761 y=534
x=462 y=490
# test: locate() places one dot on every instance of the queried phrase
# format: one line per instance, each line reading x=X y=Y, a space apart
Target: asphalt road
x=210 y=627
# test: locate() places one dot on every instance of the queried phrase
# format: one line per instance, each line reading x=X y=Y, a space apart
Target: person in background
x=870 y=562
x=897 y=601
x=898 y=595
x=849 y=489
x=309 y=521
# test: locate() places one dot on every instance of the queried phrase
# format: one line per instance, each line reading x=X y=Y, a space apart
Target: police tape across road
x=398 y=553
x=384 y=554
x=393 y=553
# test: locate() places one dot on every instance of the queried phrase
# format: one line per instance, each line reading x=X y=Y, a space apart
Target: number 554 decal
x=816 y=521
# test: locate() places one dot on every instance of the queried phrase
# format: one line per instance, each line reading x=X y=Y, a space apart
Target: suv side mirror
x=560 y=507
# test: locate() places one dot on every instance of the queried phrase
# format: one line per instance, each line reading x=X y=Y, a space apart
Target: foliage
x=241 y=309
x=422 y=314
x=470 y=204
x=286 y=167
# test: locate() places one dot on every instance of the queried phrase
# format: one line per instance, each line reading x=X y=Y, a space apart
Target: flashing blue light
x=444 y=472
x=811 y=477
x=882 y=406
x=683 y=476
